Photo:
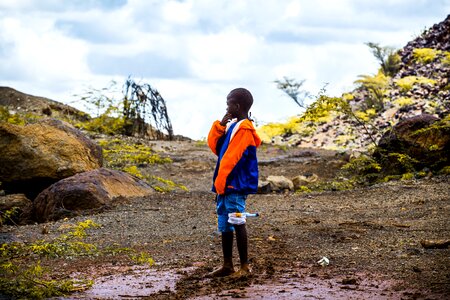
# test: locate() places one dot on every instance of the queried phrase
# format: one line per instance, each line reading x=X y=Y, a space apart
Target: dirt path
x=371 y=236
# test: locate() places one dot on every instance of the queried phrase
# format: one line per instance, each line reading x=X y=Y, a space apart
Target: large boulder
x=88 y=191
x=36 y=155
x=424 y=138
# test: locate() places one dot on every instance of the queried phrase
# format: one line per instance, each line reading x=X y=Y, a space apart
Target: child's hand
x=225 y=119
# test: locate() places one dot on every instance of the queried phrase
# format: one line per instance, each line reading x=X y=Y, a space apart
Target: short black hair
x=243 y=97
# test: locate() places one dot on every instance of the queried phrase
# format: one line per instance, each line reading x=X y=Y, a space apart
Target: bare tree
x=143 y=104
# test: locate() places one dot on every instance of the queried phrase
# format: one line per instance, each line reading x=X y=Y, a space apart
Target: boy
x=234 y=141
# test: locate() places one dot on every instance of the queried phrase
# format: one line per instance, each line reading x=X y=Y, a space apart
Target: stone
x=280 y=183
x=36 y=155
x=89 y=191
x=425 y=138
x=264 y=187
x=300 y=180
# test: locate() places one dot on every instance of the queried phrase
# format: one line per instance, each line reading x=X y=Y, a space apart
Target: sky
x=195 y=51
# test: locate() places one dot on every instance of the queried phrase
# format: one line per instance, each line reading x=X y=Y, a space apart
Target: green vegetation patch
x=404 y=101
x=119 y=154
x=133 y=158
x=425 y=55
x=407 y=83
x=23 y=274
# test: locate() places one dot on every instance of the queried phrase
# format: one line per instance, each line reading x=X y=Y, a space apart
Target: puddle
x=134 y=284
x=315 y=288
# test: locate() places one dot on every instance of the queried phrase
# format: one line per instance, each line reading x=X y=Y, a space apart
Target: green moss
x=407 y=83
x=425 y=55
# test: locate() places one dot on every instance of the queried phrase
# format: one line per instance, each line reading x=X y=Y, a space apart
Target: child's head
x=239 y=102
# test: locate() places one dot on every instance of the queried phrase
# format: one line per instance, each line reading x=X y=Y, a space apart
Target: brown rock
x=20 y=203
x=425 y=138
x=86 y=191
x=37 y=155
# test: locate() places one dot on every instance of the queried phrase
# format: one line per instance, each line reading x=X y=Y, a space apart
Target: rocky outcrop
x=37 y=155
x=420 y=86
x=424 y=138
x=18 y=102
x=86 y=192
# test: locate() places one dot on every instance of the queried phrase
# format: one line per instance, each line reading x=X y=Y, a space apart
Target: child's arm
x=217 y=131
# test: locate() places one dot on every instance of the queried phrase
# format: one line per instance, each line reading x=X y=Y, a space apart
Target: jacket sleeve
x=241 y=141
x=216 y=132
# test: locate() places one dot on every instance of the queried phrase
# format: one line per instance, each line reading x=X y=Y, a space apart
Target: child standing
x=234 y=141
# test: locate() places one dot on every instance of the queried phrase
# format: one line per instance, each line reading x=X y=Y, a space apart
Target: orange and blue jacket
x=237 y=166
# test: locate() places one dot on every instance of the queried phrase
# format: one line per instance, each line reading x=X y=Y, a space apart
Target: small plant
x=376 y=87
x=8 y=215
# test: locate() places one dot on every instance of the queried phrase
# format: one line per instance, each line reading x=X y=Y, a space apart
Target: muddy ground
x=371 y=236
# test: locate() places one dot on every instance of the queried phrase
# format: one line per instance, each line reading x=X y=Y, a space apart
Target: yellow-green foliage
x=404 y=101
x=407 y=176
x=348 y=96
x=303 y=189
x=425 y=55
x=128 y=156
x=119 y=154
x=376 y=86
x=343 y=139
x=446 y=58
x=8 y=215
x=366 y=115
x=103 y=124
x=445 y=170
x=17 y=118
x=293 y=125
x=363 y=169
x=406 y=83
x=168 y=185
x=23 y=277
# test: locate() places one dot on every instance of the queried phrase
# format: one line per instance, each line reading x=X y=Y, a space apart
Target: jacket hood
x=248 y=125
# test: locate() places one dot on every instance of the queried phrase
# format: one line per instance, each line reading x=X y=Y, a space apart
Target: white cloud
x=195 y=51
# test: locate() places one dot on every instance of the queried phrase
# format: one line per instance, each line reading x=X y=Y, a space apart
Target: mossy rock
x=413 y=144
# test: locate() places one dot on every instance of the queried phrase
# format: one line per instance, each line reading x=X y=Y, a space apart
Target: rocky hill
x=18 y=102
x=420 y=85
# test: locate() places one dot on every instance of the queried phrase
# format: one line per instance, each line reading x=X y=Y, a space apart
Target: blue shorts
x=226 y=204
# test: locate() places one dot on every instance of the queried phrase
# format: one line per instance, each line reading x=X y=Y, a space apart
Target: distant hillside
x=421 y=85
x=20 y=102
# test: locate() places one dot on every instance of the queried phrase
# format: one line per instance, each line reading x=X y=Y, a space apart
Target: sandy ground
x=371 y=236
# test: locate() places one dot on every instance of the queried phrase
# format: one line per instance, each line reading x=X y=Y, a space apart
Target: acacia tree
x=387 y=57
x=292 y=88
x=142 y=104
